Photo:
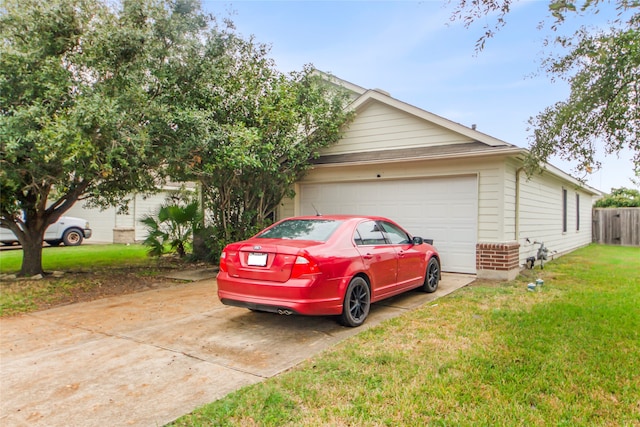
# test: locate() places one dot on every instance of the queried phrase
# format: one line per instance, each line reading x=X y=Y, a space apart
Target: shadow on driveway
x=145 y=359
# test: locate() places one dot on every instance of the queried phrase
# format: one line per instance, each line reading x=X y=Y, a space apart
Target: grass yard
x=490 y=354
x=90 y=272
x=79 y=258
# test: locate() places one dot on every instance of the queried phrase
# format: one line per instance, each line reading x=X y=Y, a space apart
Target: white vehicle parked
x=68 y=230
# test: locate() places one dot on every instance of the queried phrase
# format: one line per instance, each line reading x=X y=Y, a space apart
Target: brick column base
x=498 y=261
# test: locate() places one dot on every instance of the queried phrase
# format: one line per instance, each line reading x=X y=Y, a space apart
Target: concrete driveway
x=147 y=358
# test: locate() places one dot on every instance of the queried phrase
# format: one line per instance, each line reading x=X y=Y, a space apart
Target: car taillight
x=223 y=262
x=304 y=265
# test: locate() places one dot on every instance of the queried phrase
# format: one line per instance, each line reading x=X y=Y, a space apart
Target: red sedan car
x=326 y=265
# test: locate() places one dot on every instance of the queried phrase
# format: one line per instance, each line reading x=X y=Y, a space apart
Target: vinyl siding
x=146 y=206
x=381 y=127
x=541 y=215
x=490 y=197
x=103 y=222
x=511 y=168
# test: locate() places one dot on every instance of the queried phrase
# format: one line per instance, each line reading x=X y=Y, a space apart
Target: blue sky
x=413 y=51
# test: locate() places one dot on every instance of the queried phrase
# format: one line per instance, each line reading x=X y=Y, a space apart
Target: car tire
x=432 y=277
x=72 y=237
x=357 y=302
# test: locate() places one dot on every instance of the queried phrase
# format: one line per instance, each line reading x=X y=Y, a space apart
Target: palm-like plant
x=174 y=228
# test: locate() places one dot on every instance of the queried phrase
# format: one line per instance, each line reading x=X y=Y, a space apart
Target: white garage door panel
x=442 y=209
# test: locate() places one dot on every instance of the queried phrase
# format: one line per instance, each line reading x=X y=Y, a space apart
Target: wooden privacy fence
x=616 y=226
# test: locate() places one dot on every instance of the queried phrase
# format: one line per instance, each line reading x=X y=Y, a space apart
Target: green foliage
x=604 y=72
x=205 y=245
x=172 y=229
x=82 y=112
x=602 y=68
x=100 y=100
x=620 y=198
x=257 y=137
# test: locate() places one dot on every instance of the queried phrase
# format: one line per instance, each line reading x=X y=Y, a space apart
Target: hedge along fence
x=616 y=226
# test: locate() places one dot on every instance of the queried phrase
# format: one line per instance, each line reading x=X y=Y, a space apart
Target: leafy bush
x=174 y=228
x=620 y=198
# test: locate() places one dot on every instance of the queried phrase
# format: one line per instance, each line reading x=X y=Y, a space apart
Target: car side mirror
x=417 y=241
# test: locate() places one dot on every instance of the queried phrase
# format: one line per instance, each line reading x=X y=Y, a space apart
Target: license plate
x=257 y=259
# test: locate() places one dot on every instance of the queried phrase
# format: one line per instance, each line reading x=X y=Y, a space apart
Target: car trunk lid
x=265 y=259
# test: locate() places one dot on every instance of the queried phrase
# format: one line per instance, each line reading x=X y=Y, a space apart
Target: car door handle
x=367 y=256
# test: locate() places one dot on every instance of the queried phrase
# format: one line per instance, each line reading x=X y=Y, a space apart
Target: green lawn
x=78 y=258
x=490 y=354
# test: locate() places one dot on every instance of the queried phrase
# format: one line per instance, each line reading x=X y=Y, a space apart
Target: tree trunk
x=200 y=250
x=32 y=253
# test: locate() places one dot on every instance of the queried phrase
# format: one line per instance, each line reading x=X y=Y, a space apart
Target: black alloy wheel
x=432 y=277
x=357 y=302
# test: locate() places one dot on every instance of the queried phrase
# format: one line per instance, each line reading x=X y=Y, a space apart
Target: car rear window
x=302 y=229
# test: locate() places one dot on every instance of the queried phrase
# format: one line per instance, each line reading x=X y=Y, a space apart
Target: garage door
x=442 y=209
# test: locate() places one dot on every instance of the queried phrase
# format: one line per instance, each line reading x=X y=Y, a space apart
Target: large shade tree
x=99 y=99
x=602 y=67
x=266 y=147
x=82 y=112
x=246 y=131
x=248 y=151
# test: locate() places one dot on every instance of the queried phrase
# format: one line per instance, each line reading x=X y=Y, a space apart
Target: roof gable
x=379 y=126
x=385 y=123
x=375 y=95
x=388 y=130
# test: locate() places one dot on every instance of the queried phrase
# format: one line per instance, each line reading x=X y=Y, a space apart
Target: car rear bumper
x=87 y=233
x=310 y=297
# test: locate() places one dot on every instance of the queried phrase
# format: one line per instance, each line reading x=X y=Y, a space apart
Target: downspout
x=517 y=212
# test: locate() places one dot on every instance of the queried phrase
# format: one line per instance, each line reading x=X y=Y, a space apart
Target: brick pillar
x=498 y=261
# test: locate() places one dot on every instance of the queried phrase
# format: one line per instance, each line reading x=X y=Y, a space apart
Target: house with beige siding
x=444 y=181
x=111 y=225
x=441 y=180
